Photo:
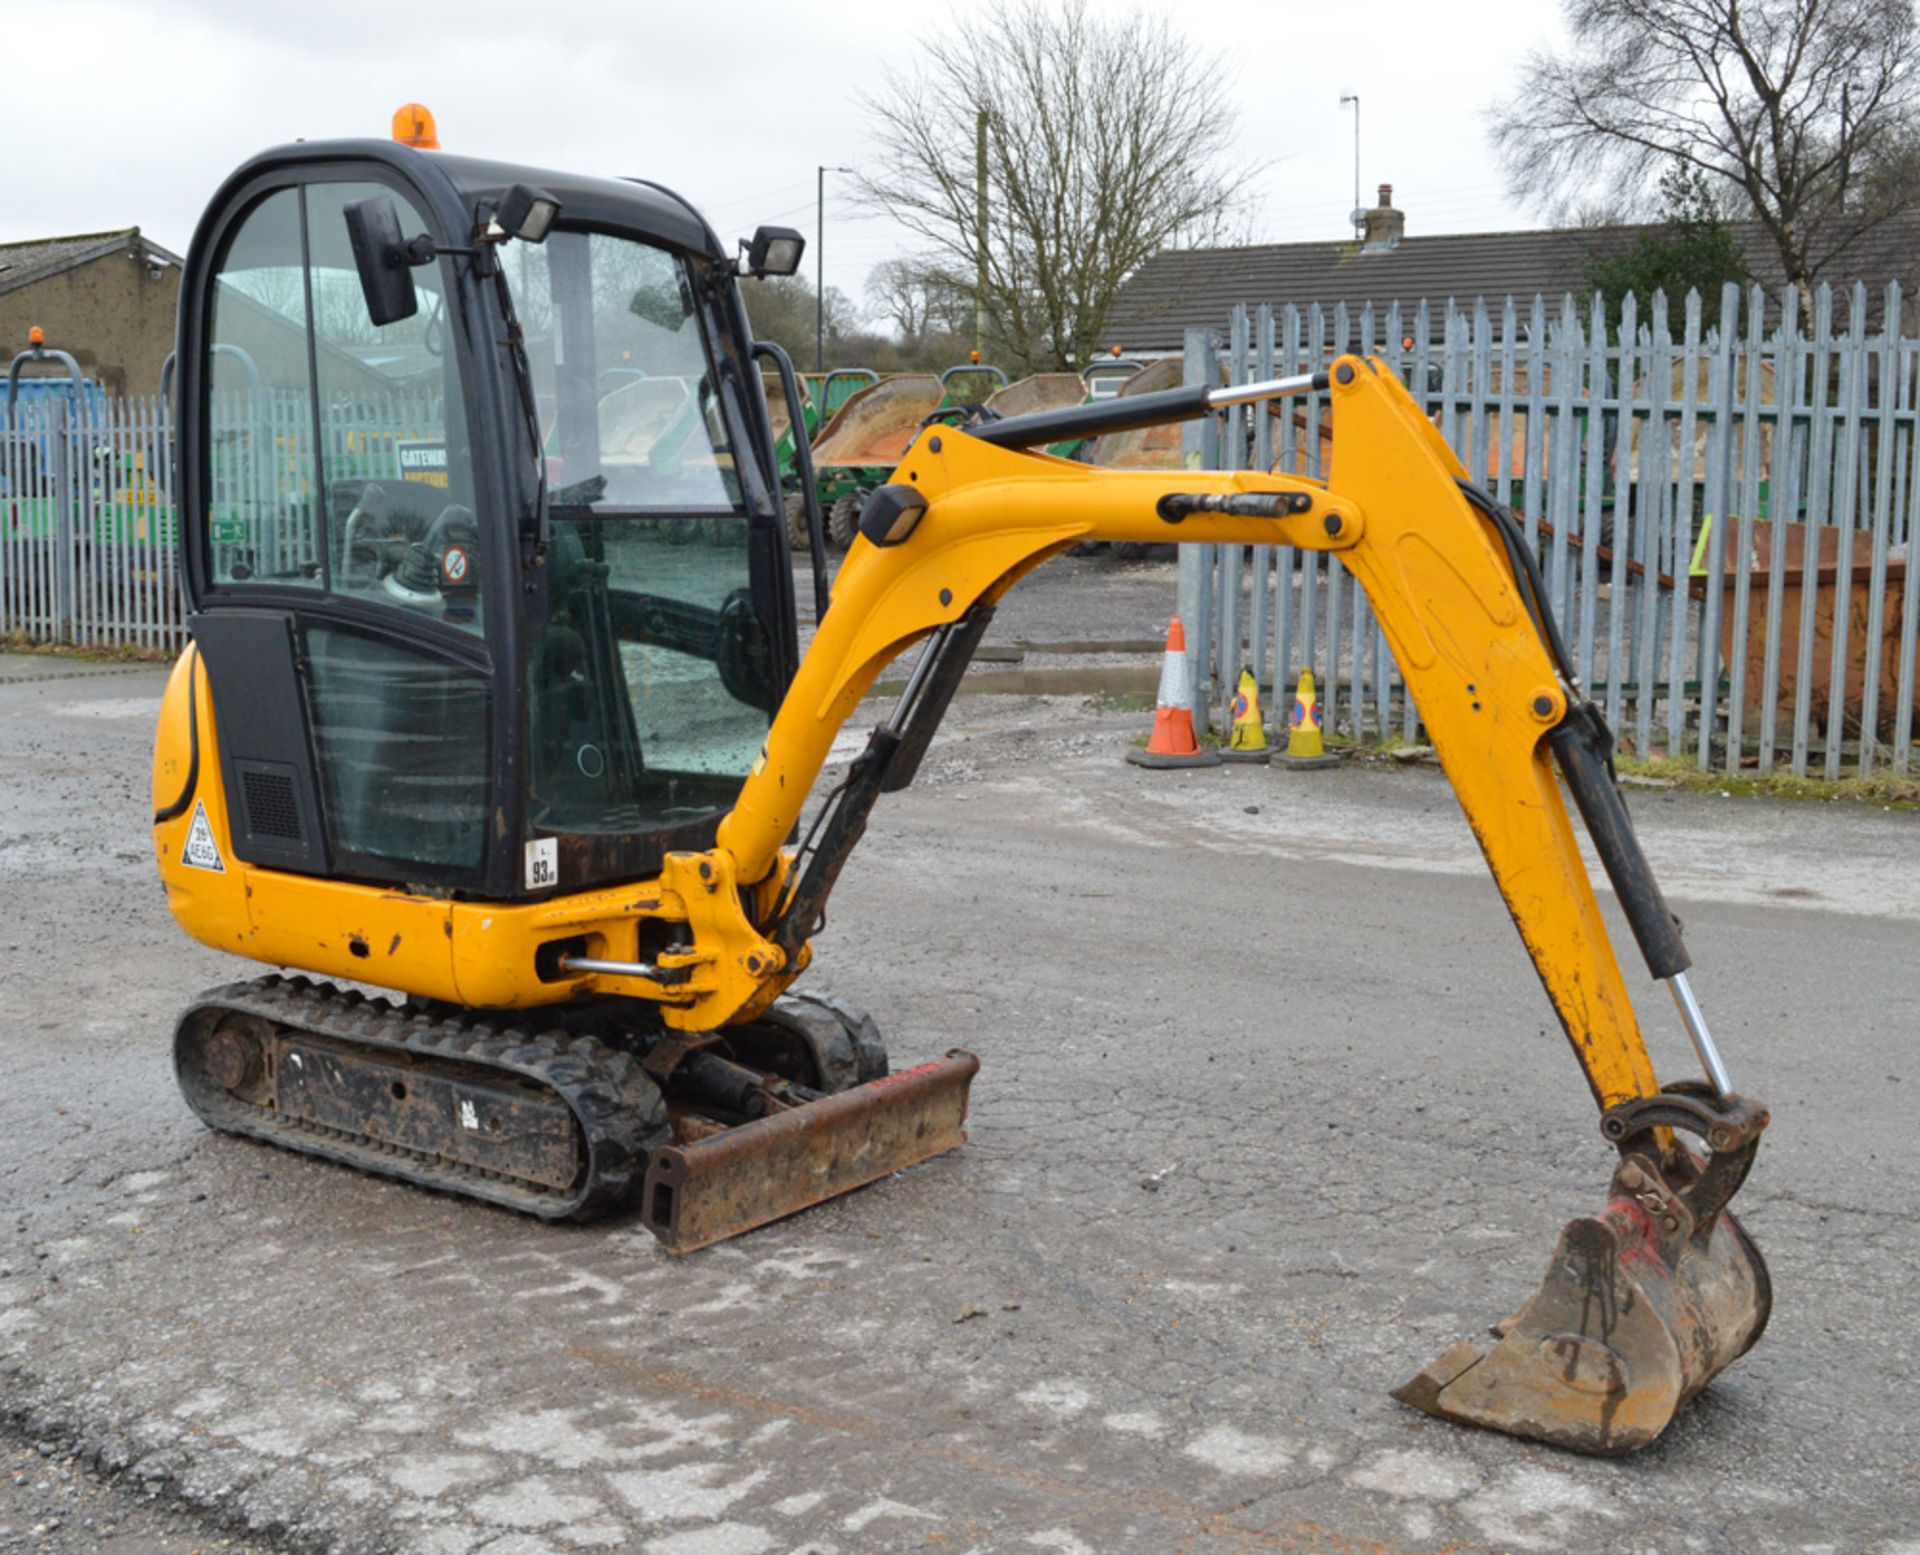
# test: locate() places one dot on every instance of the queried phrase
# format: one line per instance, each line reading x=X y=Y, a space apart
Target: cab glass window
x=651 y=680
x=263 y=523
x=651 y=686
x=401 y=739
x=628 y=408
x=339 y=456
x=395 y=461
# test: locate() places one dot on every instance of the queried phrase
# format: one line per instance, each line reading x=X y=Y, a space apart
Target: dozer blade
x=1641 y=1308
x=706 y=1190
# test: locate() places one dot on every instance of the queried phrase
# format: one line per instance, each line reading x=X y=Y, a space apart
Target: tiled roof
x=1181 y=289
x=21 y=264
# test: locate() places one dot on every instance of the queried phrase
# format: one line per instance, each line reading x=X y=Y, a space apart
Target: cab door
x=659 y=629
x=341 y=572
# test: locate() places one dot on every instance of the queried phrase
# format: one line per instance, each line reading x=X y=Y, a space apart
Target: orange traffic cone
x=1172 y=743
x=1305 y=747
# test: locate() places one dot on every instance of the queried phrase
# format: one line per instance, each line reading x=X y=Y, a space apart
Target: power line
x=750 y=199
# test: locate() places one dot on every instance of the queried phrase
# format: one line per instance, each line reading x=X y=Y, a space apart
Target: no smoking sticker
x=201 y=851
x=453 y=564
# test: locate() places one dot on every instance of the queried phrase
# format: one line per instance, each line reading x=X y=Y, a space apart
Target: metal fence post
x=59 y=435
x=1740 y=527
x=1261 y=634
x=1197 y=440
x=1783 y=505
x=1820 y=484
x=1229 y=570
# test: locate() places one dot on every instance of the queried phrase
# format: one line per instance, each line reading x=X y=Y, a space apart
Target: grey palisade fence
x=1725 y=517
x=86 y=524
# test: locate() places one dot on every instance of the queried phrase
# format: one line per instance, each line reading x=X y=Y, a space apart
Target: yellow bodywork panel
x=478 y=954
x=1486 y=687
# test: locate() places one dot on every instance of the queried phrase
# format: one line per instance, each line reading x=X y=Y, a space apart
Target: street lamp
x=820 y=262
x=1359 y=221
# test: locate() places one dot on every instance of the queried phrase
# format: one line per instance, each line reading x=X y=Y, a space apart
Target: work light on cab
x=774 y=251
x=526 y=213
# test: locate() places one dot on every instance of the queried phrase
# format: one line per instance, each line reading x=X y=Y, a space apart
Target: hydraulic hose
x=1526 y=570
x=1582 y=746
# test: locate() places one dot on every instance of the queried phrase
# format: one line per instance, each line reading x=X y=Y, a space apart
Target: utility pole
x=820 y=264
x=980 y=223
x=1359 y=222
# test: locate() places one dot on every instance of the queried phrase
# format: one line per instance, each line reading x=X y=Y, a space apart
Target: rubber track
x=617 y=1107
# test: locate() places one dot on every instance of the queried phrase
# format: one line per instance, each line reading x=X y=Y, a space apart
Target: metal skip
x=701 y=1191
x=1642 y=1306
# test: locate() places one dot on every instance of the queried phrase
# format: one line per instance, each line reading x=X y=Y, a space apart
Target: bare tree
x=781 y=309
x=897 y=289
x=1803 y=110
x=1102 y=149
x=921 y=298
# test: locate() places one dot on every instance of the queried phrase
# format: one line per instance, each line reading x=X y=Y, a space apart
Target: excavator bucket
x=716 y=1181
x=1642 y=1306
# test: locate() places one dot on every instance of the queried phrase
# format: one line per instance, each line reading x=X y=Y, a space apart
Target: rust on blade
x=702 y=1190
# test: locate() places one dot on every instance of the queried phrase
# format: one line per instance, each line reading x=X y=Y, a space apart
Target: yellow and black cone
x=1248 y=741
x=1306 y=749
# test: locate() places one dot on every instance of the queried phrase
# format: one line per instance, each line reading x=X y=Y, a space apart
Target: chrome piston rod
x=608 y=968
x=1267 y=389
x=1695 y=1020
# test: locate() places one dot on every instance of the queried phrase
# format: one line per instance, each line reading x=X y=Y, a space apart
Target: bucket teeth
x=1639 y=1310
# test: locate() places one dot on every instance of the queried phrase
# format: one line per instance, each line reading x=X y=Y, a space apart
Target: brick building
x=107 y=297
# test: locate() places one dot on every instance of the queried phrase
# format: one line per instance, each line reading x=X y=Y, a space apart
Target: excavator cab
x=491 y=590
x=494 y=571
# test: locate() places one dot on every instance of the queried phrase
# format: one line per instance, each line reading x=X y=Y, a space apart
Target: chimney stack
x=1385 y=226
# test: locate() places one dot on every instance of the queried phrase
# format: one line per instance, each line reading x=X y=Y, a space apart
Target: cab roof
x=632 y=204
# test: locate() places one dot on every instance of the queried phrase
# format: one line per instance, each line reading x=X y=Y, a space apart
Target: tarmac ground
x=1272 y=1110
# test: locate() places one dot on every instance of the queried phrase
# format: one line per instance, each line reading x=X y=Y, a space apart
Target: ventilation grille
x=272 y=810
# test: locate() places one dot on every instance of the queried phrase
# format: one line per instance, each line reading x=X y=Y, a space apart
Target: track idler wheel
x=1642 y=1305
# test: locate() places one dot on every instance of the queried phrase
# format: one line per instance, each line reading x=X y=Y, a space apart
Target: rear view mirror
x=380 y=255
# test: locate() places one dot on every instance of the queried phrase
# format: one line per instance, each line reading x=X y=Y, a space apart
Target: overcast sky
x=125 y=113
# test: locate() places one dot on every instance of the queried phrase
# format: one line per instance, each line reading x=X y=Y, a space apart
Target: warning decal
x=201 y=851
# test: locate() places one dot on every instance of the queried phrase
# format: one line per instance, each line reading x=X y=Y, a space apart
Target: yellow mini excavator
x=494 y=701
